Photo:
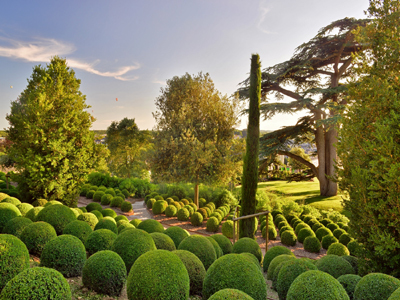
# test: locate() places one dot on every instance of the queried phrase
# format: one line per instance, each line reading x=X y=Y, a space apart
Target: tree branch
x=300 y=159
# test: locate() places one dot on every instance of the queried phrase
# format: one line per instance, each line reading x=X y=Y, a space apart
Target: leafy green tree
x=317 y=72
x=194 y=133
x=128 y=147
x=369 y=141
x=250 y=161
x=295 y=164
x=50 y=141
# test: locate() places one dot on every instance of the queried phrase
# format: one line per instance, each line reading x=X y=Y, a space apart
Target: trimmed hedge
x=89 y=218
x=275 y=262
x=39 y=202
x=106 y=199
x=312 y=244
x=376 y=286
x=107 y=223
x=353 y=261
x=135 y=222
x=24 y=208
x=230 y=294
x=99 y=240
x=349 y=283
x=288 y=238
x=117 y=201
x=98 y=214
x=177 y=234
x=8 y=211
x=249 y=245
x=16 y=226
x=108 y=212
x=53 y=202
x=223 y=242
x=36 y=235
x=316 y=285
x=121 y=217
x=37 y=283
x=338 y=232
x=79 y=229
x=159 y=207
x=14 y=258
x=217 y=248
x=162 y=267
x=151 y=225
x=338 y=249
x=66 y=254
x=57 y=216
x=235 y=272
x=227 y=229
x=94 y=206
x=126 y=206
x=183 y=214
x=105 y=273
x=345 y=238
x=272 y=253
x=163 y=241
x=124 y=225
x=196 y=219
x=304 y=233
x=171 y=211
x=11 y=200
x=97 y=196
x=328 y=240
x=201 y=247
x=212 y=224
x=321 y=232
x=334 y=265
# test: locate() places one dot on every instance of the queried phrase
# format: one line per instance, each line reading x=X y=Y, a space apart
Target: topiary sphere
x=108 y=212
x=278 y=219
x=289 y=272
x=317 y=226
x=121 y=218
x=97 y=196
x=236 y=272
x=183 y=214
x=201 y=247
x=272 y=253
x=349 y=283
x=58 y=216
x=116 y=201
x=37 y=283
x=332 y=227
x=321 y=232
x=32 y=214
x=135 y=222
x=303 y=233
x=334 y=265
x=284 y=228
x=208 y=210
x=196 y=219
x=217 y=215
x=24 y=208
x=163 y=241
x=90 y=194
x=163 y=267
x=53 y=202
x=8 y=211
x=275 y=262
x=150 y=203
x=89 y=218
x=16 y=226
x=76 y=211
x=353 y=247
x=316 y=285
x=328 y=240
x=105 y=273
x=126 y=206
x=297 y=222
x=217 y=248
x=107 y=223
x=66 y=254
x=106 y=199
x=195 y=269
x=288 y=238
x=376 y=286
x=338 y=232
x=300 y=227
x=131 y=244
x=98 y=214
x=94 y=206
x=11 y=200
x=171 y=211
x=36 y=235
x=79 y=229
x=124 y=225
x=190 y=209
x=247 y=245
x=353 y=262
x=281 y=224
x=326 y=221
x=83 y=209
x=177 y=234
x=212 y=224
x=230 y=294
x=126 y=193
x=313 y=222
x=312 y=244
x=224 y=243
x=39 y=202
x=98 y=240
x=159 y=207
x=395 y=295
x=151 y=225
x=110 y=191
x=227 y=229
x=14 y=258
x=338 y=249
x=345 y=239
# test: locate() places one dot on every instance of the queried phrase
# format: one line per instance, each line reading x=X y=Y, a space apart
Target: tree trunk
x=196 y=194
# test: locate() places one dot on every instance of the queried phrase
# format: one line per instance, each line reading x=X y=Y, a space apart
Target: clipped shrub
x=332 y=227
x=300 y=227
x=353 y=261
x=303 y=233
x=98 y=214
x=117 y=201
x=90 y=194
x=24 y=208
x=208 y=210
x=312 y=244
x=94 y=206
x=376 y=286
x=79 y=229
x=321 y=232
x=58 y=216
x=345 y=238
x=124 y=225
x=163 y=241
x=121 y=218
x=326 y=221
x=289 y=272
x=349 y=283
x=249 y=245
x=217 y=215
x=37 y=283
x=151 y=225
x=120 y=222
x=66 y=254
x=284 y=228
x=97 y=196
x=230 y=294
x=334 y=265
x=224 y=243
x=8 y=211
x=171 y=211
x=288 y=238
x=316 y=285
x=89 y=218
x=159 y=207
x=158 y=197
x=106 y=223
x=11 y=200
x=135 y=222
x=217 y=248
x=338 y=249
x=106 y=199
x=317 y=226
x=274 y=252
x=16 y=226
x=76 y=211
x=159 y=266
x=105 y=273
x=108 y=212
x=272 y=234
x=395 y=295
x=338 y=232
x=14 y=258
x=183 y=214
x=275 y=262
x=99 y=240
x=83 y=209
x=36 y=235
x=177 y=234
x=227 y=229
x=196 y=219
x=53 y=202
x=110 y=191
x=126 y=206
x=201 y=247
x=235 y=272
x=150 y=203
x=328 y=240
x=353 y=247
x=39 y=202
x=212 y=224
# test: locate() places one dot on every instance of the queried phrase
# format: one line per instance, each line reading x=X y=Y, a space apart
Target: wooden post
x=196 y=194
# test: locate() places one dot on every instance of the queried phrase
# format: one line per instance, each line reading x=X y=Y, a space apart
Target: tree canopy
x=314 y=79
x=194 y=133
x=50 y=141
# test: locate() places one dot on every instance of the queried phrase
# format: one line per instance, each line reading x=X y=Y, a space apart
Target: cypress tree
x=250 y=163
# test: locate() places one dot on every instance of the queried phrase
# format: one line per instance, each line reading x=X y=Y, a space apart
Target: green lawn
x=303 y=193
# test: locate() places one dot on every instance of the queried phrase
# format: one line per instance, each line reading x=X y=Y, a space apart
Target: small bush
x=58 y=216
x=90 y=194
x=183 y=214
x=196 y=219
x=8 y=211
x=275 y=262
x=89 y=218
x=284 y=228
x=36 y=235
x=108 y=212
x=349 y=283
x=116 y=201
x=376 y=286
x=163 y=241
x=79 y=229
x=332 y=227
x=150 y=203
x=99 y=240
x=334 y=265
x=53 y=202
x=11 y=200
x=105 y=273
x=312 y=244
x=353 y=247
x=272 y=234
x=177 y=234
x=300 y=227
x=39 y=202
x=106 y=223
x=151 y=225
x=201 y=247
x=227 y=229
x=32 y=214
x=328 y=240
x=97 y=196
x=212 y=224
x=304 y=233
x=98 y=214
x=135 y=222
x=124 y=225
x=106 y=199
x=37 y=283
x=110 y=191
x=345 y=238
x=14 y=258
x=224 y=243
x=338 y=232
x=338 y=249
x=326 y=221
x=94 y=206
x=288 y=238
x=126 y=206
x=66 y=254
x=247 y=245
x=272 y=253
x=159 y=207
x=16 y=226
x=230 y=294
x=217 y=248
x=321 y=232
x=395 y=295
x=171 y=211
x=24 y=208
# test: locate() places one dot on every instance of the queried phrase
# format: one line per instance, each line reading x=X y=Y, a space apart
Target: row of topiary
x=330 y=277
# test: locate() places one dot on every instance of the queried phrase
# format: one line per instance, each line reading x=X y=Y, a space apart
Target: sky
x=128 y=49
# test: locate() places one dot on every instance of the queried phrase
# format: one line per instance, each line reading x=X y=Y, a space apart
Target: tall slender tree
x=250 y=162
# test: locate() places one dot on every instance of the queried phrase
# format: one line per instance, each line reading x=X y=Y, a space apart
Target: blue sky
x=128 y=49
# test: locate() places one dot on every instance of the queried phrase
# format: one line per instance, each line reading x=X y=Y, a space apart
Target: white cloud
x=41 y=50
x=263 y=13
